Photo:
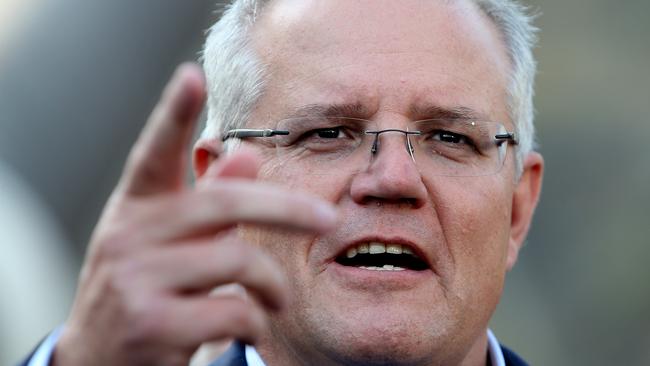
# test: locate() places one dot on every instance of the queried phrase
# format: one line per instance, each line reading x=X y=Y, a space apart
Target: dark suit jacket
x=235 y=356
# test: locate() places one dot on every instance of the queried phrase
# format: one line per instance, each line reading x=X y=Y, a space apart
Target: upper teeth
x=378 y=248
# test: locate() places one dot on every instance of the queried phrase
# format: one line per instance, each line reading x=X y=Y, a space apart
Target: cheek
x=286 y=248
x=474 y=216
x=293 y=248
x=310 y=180
x=289 y=248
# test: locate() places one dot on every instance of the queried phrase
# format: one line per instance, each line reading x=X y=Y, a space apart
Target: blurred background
x=78 y=79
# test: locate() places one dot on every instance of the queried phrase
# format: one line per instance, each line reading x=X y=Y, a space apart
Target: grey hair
x=520 y=36
x=235 y=76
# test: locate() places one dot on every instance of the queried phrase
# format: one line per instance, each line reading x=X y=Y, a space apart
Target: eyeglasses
x=342 y=145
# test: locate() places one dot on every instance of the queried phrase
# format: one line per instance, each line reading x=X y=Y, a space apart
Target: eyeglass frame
x=242 y=133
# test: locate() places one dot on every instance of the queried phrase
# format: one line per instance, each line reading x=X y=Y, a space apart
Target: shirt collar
x=494 y=350
x=252 y=357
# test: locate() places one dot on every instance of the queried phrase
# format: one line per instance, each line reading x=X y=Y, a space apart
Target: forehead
x=382 y=54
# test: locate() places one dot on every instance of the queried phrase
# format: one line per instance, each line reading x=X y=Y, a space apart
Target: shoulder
x=511 y=358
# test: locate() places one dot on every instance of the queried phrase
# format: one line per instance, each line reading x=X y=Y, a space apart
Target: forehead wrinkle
x=323 y=58
x=418 y=112
x=316 y=68
x=355 y=109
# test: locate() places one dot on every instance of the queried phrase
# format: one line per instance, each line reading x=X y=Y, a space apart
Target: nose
x=391 y=176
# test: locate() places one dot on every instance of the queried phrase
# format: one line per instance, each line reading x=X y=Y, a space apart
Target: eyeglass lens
x=339 y=145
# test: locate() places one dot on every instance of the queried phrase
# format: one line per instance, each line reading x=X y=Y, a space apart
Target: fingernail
x=327 y=215
x=178 y=76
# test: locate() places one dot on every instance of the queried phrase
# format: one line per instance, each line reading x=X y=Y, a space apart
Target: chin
x=386 y=347
x=375 y=336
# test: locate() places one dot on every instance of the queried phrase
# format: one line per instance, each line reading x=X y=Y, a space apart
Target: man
x=377 y=182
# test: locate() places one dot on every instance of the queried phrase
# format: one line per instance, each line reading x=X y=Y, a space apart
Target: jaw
x=346 y=315
x=354 y=316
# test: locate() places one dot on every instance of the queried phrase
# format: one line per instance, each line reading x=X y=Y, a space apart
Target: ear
x=209 y=164
x=524 y=201
x=204 y=153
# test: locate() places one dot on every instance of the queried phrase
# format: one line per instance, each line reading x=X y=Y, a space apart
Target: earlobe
x=204 y=153
x=524 y=201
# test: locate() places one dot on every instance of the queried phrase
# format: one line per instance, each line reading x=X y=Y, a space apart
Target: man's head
x=236 y=75
x=393 y=63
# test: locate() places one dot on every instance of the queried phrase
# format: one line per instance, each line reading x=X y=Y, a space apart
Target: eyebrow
x=358 y=110
x=435 y=112
x=355 y=110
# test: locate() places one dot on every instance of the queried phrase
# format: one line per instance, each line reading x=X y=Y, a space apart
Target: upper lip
x=418 y=250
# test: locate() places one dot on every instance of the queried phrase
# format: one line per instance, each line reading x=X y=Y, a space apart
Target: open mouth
x=376 y=256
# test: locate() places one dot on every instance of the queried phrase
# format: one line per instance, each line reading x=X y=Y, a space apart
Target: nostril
x=409 y=201
x=389 y=178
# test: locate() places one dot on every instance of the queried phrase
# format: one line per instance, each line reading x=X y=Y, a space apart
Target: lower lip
x=359 y=278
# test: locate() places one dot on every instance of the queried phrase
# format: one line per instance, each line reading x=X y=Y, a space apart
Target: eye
x=336 y=134
x=327 y=140
x=451 y=138
x=327 y=133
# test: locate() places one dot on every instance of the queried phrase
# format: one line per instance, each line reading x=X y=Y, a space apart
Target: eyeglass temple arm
x=241 y=133
x=510 y=136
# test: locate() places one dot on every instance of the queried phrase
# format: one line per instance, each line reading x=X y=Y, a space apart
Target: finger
x=200 y=266
x=157 y=161
x=201 y=319
x=219 y=206
x=241 y=164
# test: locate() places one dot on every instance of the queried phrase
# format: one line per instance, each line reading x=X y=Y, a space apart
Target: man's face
x=396 y=60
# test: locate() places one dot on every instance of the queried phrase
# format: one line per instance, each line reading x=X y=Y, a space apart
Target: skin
x=390 y=57
x=161 y=246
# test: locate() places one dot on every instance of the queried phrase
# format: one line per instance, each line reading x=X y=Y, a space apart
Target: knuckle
x=225 y=199
x=149 y=170
x=242 y=316
x=239 y=261
x=112 y=246
x=117 y=280
x=121 y=232
x=145 y=318
x=114 y=237
x=117 y=290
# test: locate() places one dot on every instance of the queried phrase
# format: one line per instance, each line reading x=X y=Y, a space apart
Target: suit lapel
x=511 y=358
x=234 y=356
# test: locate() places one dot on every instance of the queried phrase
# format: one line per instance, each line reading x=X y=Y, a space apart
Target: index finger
x=221 y=205
x=157 y=160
